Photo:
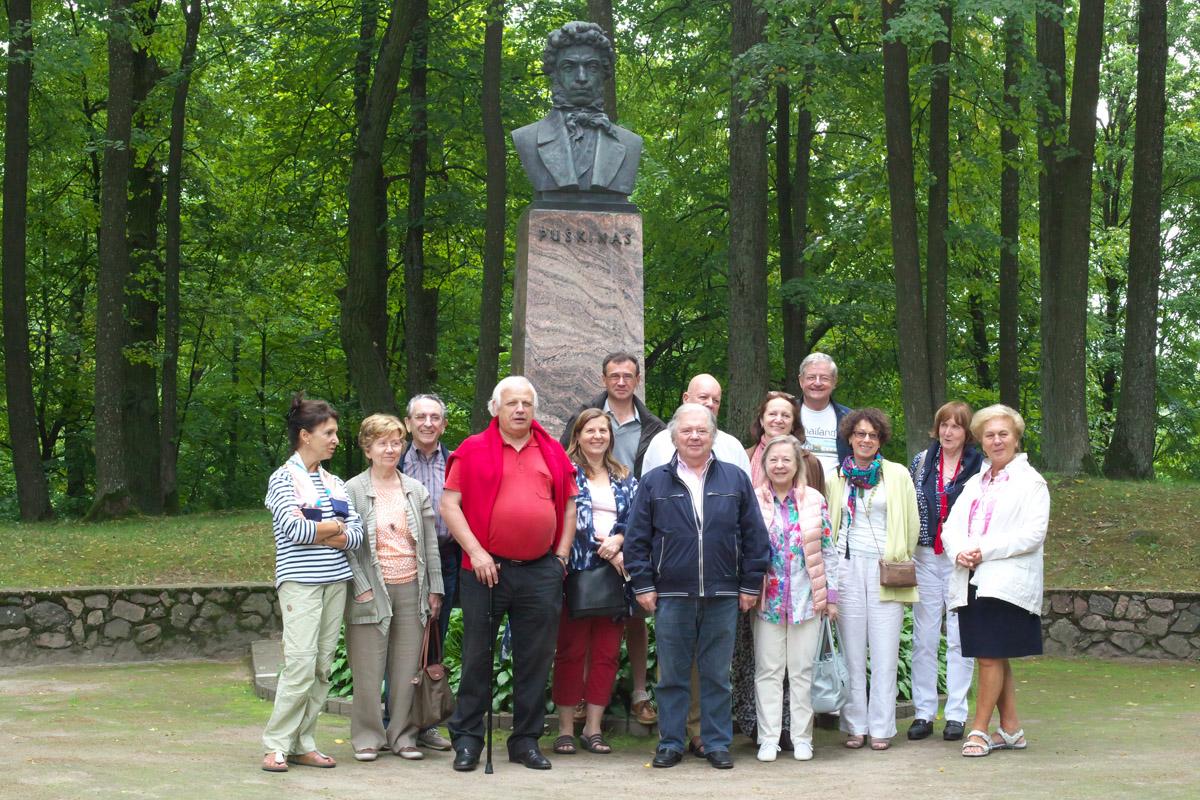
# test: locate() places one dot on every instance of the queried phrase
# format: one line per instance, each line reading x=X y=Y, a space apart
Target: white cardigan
x=1011 y=569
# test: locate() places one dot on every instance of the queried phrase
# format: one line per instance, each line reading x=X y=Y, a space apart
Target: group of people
x=742 y=556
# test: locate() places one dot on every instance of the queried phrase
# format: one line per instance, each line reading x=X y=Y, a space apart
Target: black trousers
x=531 y=594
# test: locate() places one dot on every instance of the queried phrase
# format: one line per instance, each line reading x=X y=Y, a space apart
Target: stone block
x=1176 y=646
x=1061 y=603
x=1155 y=626
x=258 y=603
x=1045 y=606
x=1064 y=632
x=1079 y=607
x=250 y=622
x=13 y=634
x=117 y=629
x=577 y=294
x=1137 y=611
x=197 y=599
x=1099 y=604
x=50 y=616
x=1160 y=605
x=1092 y=622
x=145 y=633
x=1104 y=650
x=219 y=596
x=181 y=615
x=95 y=617
x=143 y=599
x=158 y=612
x=201 y=626
x=1128 y=641
x=96 y=601
x=77 y=630
x=1121 y=607
x=11 y=617
x=52 y=640
x=1121 y=625
x=74 y=605
x=211 y=611
x=1186 y=622
x=128 y=611
x=226 y=623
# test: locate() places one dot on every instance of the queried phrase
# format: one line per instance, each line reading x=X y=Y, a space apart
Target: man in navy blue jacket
x=696 y=548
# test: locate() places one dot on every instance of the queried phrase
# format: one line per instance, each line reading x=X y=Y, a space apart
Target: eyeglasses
x=866 y=436
x=434 y=418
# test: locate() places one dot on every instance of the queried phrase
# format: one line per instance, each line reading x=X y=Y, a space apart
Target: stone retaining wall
x=1108 y=624
x=94 y=624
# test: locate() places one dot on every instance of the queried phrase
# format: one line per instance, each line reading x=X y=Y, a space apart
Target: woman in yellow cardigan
x=873 y=511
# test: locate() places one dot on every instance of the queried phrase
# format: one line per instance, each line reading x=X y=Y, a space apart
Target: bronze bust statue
x=575 y=152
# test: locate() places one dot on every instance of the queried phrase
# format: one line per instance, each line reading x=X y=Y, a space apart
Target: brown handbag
x=432 y=700
x=897 y=574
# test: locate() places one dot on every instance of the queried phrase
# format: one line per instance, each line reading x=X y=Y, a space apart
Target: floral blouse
x=787 y=588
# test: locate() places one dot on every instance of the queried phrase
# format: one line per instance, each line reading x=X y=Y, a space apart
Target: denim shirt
x=583 y=549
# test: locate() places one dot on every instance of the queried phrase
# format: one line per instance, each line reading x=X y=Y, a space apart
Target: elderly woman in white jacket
x=994 y=537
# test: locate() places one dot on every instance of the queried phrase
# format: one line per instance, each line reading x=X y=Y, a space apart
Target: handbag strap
x=430 y=627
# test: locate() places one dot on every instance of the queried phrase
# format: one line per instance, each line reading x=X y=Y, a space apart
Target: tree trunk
x=910 y=315
x=420 y=303
x=364 y=320
x=601 y=13
x=492 y=295
x=1065 y=445
x=938 y=220
x=1131 y=451
x=796 y=316
x=1010 y=219
x=169 y=434
x=112 y=490
x=980 y=349
x=33 y=495
x=785 y=217
x=748 y=365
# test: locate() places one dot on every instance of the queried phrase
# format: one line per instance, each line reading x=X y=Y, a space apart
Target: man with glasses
x=819 y=413
x=425 y=460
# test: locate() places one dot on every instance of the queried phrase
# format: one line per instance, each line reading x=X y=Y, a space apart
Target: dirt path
x=191 y=730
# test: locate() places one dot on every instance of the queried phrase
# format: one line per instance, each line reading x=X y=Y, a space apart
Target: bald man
x=705 y=390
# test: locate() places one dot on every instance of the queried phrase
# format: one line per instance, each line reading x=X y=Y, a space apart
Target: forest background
x=210 y=205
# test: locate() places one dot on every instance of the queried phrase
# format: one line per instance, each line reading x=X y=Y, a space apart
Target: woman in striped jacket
x=800 y=587
x=314 y=525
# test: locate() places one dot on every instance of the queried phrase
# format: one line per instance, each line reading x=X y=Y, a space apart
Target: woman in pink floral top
x=800 y=586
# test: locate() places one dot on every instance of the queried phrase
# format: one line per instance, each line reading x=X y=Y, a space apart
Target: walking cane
x=487 y=767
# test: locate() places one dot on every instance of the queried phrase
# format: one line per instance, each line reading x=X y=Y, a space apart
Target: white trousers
x=868 y=627
x=780 y=648
x=933 y=586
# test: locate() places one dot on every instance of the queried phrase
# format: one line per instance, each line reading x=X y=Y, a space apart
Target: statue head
x=578 y=58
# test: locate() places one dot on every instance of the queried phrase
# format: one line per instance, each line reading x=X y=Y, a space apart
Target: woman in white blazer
x=994 y=537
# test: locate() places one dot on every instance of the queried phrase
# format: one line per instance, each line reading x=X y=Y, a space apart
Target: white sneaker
x=767 y=751
x=803 y=751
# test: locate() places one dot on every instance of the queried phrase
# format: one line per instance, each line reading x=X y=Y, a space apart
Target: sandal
x=581 y=711
x=565 y=745
x=595 y=744
x=855 y=742
x=1010 y=741
x=313 y=758
x=982 y=747
x=274 y=761
x=880 y=744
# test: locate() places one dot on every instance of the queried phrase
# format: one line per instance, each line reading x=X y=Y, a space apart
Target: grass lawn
x=1096 y=729
x=1102 y=534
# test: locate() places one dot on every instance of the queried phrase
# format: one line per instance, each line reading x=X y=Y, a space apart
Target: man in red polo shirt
x=509 y=502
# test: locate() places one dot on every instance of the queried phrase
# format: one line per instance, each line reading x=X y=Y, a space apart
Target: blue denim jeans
x=691 y=629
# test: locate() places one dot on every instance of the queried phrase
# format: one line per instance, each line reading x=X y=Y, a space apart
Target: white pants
x=933 y=586
x=780 y=648
x=868 y=625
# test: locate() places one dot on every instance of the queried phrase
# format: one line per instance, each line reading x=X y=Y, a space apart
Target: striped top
x=296 y=557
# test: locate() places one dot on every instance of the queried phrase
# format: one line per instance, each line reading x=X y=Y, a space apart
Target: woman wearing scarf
x=994 y=538
x=314 y=525
x=777 y=415
x=799 y=588
x=940 y=473
x=873 y=513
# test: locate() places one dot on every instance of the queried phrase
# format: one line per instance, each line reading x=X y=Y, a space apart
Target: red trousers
x=592 y=645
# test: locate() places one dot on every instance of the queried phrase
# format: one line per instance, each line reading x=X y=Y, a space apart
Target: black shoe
x=666 y=757
x=466 y=759
x=953 y=731
x=720 y=759
x=920 y=729
x=531 y=757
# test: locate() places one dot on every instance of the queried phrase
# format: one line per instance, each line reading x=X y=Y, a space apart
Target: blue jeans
x=696 y=629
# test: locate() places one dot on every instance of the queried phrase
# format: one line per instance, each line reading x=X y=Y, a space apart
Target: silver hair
x=687 y=408
x=511 y=382
x=418 y=398
x=817 y=358
x=797 y=448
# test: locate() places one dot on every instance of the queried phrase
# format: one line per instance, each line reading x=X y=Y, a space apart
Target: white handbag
x=831 y=678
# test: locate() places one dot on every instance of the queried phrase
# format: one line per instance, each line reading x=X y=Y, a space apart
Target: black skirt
x=992 y=628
